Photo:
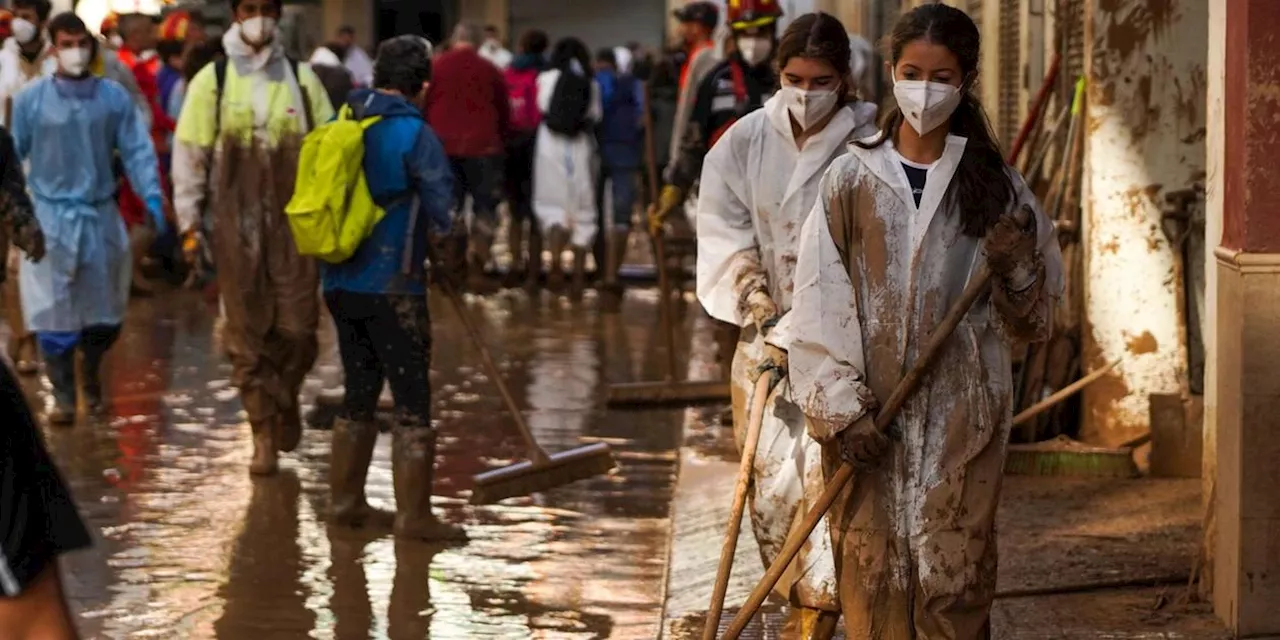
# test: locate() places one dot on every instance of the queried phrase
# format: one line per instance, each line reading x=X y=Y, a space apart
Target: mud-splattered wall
x=1145 y=137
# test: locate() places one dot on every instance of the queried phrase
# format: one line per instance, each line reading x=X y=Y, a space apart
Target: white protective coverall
x=916 y=545
x=564 y=192
x=757 y=190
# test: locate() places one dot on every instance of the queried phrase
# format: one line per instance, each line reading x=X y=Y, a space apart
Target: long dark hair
x=568 y=50
x=982 y=189
x=819 y=36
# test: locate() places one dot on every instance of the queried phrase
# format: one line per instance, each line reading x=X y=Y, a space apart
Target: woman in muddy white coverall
x=897 y=232
x=759 y=183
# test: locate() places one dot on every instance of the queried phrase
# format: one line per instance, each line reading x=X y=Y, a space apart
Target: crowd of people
x=828 y=246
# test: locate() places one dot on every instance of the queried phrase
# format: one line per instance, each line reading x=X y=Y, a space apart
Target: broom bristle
x=1065 y=457
x=526 y=478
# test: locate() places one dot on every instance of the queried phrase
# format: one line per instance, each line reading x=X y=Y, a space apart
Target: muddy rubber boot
x=413 y=462
x=141 y=237
x=352 y=451
x=289 y=427
x=533 y=265
x=557 y=241
x=265 y=461
x=579 y=273
x=61 y=370
x=615 y=252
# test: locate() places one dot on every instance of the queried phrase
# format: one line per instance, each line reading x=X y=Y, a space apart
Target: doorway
x=431 y=19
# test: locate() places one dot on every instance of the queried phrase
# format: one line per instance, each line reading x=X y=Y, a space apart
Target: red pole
x=1036 y=108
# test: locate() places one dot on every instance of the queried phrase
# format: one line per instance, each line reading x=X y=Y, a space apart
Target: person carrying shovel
x=759 y=184
x=901 y=225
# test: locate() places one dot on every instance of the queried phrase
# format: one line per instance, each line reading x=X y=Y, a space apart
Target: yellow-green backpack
x=332 y=211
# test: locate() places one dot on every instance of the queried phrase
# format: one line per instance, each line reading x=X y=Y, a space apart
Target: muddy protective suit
x=915 y=539
x=237 y=153
x=757 y=190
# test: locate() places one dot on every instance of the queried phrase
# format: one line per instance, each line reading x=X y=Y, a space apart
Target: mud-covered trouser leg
x=272 y=312
x=881 y=595
x=384 y=337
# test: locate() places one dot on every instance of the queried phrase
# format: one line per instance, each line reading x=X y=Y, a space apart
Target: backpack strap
x=220 y=76
x=294 y=65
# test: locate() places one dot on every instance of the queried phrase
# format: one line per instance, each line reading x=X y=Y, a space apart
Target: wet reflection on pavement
x=191 y=547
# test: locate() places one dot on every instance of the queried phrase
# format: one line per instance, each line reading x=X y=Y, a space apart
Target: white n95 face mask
x=926 y=105
x=258 y=30
x=23 y=31
x=755 y=49
x=809 y=107
x=74 y=61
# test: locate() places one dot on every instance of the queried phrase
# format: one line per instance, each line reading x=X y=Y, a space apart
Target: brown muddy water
x=189 y=546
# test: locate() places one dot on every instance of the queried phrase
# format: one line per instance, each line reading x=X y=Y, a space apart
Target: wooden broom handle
x=924 y=363
x=745 y=466
x=536 y=452
x=659 y=242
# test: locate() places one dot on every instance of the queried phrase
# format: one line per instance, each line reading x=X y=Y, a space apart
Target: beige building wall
x=357 y=14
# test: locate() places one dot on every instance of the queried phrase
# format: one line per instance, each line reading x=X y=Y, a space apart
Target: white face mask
x=755 y=49
x=809 y=107
x=23 y=31
x=116 y=40
x=74 y=61
x=258 y=30
x=926 y=105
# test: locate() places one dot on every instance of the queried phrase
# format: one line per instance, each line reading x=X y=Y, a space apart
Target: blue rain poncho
x=68 y=131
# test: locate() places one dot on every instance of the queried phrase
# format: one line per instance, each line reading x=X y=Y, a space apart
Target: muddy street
x=191 y=547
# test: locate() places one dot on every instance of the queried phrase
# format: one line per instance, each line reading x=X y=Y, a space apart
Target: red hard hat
x=752 y=14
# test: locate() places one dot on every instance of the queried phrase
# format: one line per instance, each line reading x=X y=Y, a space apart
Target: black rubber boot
x=61 y=370
x=94 y=344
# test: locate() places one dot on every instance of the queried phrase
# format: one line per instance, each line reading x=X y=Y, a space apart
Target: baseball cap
x=705 y=13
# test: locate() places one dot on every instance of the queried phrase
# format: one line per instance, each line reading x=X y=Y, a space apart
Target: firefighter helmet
x=174 y=26
x=110 y=24
x=753 y=14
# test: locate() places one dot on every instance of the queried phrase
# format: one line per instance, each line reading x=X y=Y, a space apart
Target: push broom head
x=528 y=477
x=638 y=395
x=1063 y=456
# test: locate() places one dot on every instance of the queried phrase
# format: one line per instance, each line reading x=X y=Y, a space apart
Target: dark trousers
x=481 y=179
x=519 y=176
x=381 y=338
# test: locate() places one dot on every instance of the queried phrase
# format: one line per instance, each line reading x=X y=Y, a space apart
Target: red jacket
x=466 y=104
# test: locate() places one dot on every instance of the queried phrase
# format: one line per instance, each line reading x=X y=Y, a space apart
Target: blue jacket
x=622 y=129
x=403 y=158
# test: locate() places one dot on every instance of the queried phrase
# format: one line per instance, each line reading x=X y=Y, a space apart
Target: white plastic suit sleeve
x=822 y=334
x=728 y=263
x=190 y=177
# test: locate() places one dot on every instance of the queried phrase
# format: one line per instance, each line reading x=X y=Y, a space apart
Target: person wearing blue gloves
x=68 y=127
